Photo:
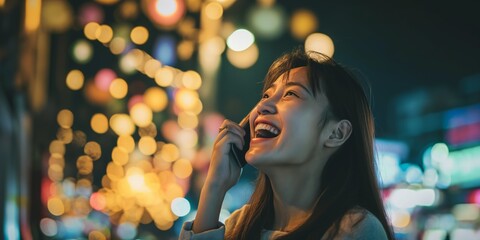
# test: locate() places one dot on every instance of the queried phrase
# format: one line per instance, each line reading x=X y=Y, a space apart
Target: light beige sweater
x=369 y=228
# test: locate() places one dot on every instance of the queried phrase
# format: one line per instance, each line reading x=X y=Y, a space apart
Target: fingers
x=231 y=132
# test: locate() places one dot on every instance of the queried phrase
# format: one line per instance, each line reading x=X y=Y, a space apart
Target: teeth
x=270 y=128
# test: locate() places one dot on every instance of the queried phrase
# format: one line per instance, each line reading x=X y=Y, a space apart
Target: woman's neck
x=295 y=194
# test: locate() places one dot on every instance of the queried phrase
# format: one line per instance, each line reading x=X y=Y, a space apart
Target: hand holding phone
x=239 y=154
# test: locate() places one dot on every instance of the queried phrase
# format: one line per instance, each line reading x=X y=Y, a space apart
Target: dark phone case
x=240 y=154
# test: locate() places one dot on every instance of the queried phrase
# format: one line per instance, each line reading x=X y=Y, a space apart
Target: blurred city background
x=109 y=108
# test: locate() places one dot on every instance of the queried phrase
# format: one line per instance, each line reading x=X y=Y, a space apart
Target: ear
x=340 y=134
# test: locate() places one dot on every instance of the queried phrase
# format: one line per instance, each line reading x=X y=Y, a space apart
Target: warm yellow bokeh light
x=147 y=145
x=99 y=123
x=164 y=76
x=90 y=30
x=213 y=10
x=114 y=171
x=55 y=206
x=65 y=135
x=173 y=191
x=151 y=67
x=186 y=99
x=182 y=168
x=57 y=16
x=33 y=12
x=321 y=43
x=126 y=142
x=156 y=98
x=119 y=156
x=65 y=118
x=118 y=88
x=400 y=219
x=141 y=114
x=122 y=124
x=57 y=148
x=302 y=23
x=84 y=165
x=96 y=235
x=243 y=59
x=185 y=49
x=150 y=130
x=93 y=150
x=169 y=152
x=55 y=172
x=107 y=2
x=104 y=33
x=128 y=63
x=75 y=79
x=117 y=45
x=139 y=35
x=187 y=138
x=187 y=120
x=191 y=80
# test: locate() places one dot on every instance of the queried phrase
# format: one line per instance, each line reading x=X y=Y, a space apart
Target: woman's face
x=286 y=124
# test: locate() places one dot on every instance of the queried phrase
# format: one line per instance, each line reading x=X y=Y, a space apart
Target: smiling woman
x=312 y=142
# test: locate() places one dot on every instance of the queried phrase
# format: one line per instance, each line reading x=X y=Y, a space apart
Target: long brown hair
x=348 y=179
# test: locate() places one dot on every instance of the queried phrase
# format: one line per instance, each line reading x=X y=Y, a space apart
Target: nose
x=267 y=106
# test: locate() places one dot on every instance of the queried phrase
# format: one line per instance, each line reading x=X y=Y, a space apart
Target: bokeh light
x=182 y=168
x=321 y=43
x=48 y=227
x=141 y=114
x=180 y=206
x=84 y=164
x=55 y=206
x=267 y=22
x=93 y=150
x=156 y=99
x=90 y=12
x=122 y=124
x=56 y=16
x=169 y=152
x=126 y=142
x=90 y=30
x=118 y=88
x=164 y=13
x=187 y=120
x=82 y=51
x=104 y=78
x=104 y=33
x=164 y=50
x=186 y=99
x=243 y=59
x=240 y=40
x=119 y=155
x=139 y=35
x=303 y=23
x=164 y=76
x=75 y=79
x=213 y=10
x=99 y=123
x=117 y=45
x=65 y=118
x=191 y=80
x=151 y=67
x=147 y=145
x=126 y=230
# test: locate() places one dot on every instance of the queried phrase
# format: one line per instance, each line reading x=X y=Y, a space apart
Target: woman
x=312 y=142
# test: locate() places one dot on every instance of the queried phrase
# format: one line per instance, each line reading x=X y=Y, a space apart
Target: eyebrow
x=300 y=85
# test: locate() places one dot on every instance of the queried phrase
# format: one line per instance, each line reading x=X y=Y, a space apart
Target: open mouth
x=264 y=130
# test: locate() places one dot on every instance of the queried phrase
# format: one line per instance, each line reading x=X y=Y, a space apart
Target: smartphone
x=239 y=154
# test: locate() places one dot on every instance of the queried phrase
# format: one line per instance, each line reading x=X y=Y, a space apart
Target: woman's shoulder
x=359 y=223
